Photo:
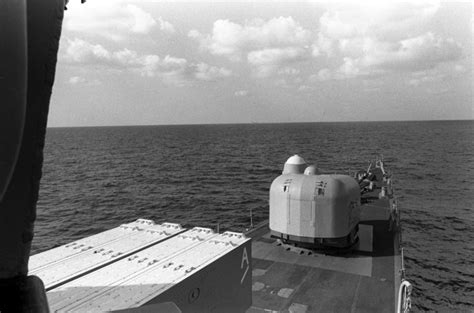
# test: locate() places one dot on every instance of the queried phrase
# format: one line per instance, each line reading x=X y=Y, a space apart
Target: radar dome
x=294 y=165
x=310 y=170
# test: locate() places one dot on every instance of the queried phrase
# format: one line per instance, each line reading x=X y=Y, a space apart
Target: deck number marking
x=245 y=259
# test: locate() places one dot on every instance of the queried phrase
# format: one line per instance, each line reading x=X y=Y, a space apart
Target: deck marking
x=258 y=272
x=285 y=292
x=298 y=308
x=245 y=259
x=356 y=296
x=255 y=287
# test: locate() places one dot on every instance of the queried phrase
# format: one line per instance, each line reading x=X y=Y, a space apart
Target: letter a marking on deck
x=245 y=259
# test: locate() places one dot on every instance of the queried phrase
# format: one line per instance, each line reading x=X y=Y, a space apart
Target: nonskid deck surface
x=362 y=281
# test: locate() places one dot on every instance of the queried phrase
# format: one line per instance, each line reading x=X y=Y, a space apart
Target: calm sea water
x=96 y=178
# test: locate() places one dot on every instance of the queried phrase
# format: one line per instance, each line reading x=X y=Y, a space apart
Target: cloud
x=459 y=68
x=79 y=80
x=266 y=61
x=304 y=88
x=173 y=70
x=166 y=26
x=382 y=38
x=232 y=39
x=436 y=75
x=380 y=20
x=76 y=80
x=79 y=51
x=82 y=51
x=289 y=71
x=113 y=20
x=421 y=52
x=241 y=93
x=207 y=72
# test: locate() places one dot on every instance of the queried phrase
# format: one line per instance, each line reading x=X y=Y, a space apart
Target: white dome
x=296 y=160
x=294 y=165
x=310 y=170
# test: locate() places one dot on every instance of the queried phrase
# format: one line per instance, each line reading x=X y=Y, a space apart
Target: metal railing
x=404 y=297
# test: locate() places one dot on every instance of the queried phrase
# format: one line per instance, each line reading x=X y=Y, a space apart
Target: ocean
x=208 y=175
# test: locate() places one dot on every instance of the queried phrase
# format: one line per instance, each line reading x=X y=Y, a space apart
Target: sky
x=158 y=62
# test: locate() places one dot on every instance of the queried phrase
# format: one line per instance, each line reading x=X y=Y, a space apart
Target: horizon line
x=260 y=123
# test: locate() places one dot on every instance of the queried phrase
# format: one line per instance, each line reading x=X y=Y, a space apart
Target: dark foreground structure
x=30 y=32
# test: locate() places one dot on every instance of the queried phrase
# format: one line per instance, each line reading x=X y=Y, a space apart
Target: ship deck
x=142 y=266
x=295 y=280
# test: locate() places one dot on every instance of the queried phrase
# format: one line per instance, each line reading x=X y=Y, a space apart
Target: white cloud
x=232 y=39
x=194 y=34
x=388 y=21
x=78 y=50
x=379 y=38
x=444 y=75
x=207 y=72
x=83 y=52
x=166 y=26
x=304 y=88
x=170 y=64
x=289 y=71
x=421 y=52
x=110 y=19
x=76 y=80
x=316 y=51
x=324 y=74
x=79 y=80
x=266 y=61
x=459 y=68
x=173 y=70
x=241 y=93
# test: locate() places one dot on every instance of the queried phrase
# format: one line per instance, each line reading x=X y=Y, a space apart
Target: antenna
x=251 y=218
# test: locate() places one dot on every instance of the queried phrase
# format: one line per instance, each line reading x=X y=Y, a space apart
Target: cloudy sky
x=154 y=62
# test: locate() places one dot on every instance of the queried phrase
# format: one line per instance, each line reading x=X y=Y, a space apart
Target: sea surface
x=97 y=178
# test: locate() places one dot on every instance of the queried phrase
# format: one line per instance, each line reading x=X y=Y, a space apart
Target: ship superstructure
x=352 y=263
